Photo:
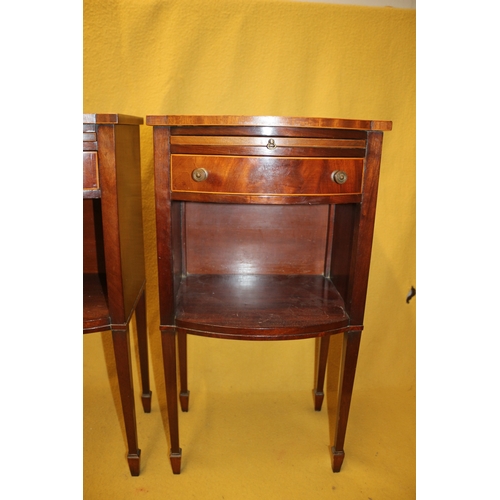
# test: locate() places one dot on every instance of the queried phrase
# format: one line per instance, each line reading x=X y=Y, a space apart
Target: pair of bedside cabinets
x=264 y=230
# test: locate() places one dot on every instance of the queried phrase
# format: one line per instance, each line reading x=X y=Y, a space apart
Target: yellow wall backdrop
x=273 y=57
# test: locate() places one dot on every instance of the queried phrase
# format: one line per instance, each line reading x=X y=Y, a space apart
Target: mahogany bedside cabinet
x=113 y=252
x=264 y=231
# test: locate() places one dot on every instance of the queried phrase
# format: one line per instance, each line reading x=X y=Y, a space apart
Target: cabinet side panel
x=110 y=222
x=128 y=166
x=343 y=234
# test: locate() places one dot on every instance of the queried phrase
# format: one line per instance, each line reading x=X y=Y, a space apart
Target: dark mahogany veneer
x=113 y=254
x=264 y=231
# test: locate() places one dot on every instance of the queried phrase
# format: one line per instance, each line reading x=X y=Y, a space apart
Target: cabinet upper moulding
x=271 y=121
x=112 y=118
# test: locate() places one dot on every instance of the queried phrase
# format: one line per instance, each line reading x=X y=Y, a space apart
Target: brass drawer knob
x=199 y=174
x=271 y=144
x=339 y=177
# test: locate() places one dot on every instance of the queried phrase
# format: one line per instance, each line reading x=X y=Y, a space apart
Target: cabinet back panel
x=255 y=239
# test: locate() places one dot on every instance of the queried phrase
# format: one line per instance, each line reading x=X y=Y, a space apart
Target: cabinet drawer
x=90 y=170
x=264 y=175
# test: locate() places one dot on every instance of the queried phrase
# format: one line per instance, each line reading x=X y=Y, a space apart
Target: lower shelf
x=259 y=307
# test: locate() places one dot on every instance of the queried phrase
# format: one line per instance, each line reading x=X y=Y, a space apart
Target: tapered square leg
x=350 y=352
x=142 y=343
x=320 y=376
x=175 y=461
x=337 y=460
x=184 y=394
x=134 y=463
x=121 y=346
x=168 y=336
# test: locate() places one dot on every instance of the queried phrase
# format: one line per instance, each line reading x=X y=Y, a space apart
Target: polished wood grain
x=268 y=131
x=263 y=142
x=267 y=121
x=129 y=197
x=90 y=146
x=111 y=119
x=255 y=239
x=96 y=317
x=265 y=176
x=93 y=243
x=279 y=151
x=267 y=246
x=90 y=172
x=183 y=373
x=364 y=224
x=350 y=350
x=259 y=307
x=166 y=224
x=269 y=199
x=113 y=255
x=87 y=136
x=318 y=392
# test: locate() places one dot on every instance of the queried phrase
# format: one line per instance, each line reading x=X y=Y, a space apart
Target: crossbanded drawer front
x=90 y=171
x=264 y=176
x=268 y=146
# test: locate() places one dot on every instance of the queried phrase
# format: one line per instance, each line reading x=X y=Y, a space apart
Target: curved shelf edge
x=260 y=307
